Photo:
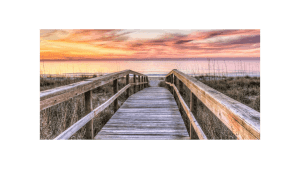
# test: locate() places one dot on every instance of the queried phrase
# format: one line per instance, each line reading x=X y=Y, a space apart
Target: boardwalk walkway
x=148 y=114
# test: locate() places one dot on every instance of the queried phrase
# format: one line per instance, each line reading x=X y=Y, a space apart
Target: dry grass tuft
x=243 y=89
x=162 y=84
x=58 y=118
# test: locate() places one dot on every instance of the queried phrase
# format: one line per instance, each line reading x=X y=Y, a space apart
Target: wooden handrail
x=83 y=121
x=242 y=120
x=140 y=83
x=190 y=115
x=57 y=95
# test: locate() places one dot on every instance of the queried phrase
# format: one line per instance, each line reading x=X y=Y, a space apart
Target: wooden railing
x=243 y=121
x=58 y=95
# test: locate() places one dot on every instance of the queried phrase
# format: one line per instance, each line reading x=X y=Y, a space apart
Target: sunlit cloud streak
x=158 y=44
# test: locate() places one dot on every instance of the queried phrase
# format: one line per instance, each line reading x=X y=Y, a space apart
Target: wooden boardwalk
x=150 y=114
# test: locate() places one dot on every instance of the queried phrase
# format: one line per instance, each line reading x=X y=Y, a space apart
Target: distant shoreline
x=154 y=59
x=149 y=75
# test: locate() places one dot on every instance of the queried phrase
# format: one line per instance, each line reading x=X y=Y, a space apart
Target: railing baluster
x=193 y=107
x=134 y=81
x=173 y=76
x=142 y=81
x=139 y=80
x=243 y=121
x=55 y=96
x=127 y=82
x=190 y=130
x=89 y=134
x=115 y=86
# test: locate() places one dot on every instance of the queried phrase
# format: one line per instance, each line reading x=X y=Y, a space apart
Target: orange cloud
x=114 y=44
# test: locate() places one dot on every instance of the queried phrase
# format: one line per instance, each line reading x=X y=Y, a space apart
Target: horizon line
x=156 y=59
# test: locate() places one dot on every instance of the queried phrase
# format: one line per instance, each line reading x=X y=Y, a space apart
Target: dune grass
x=53 y=82
x=243 y=89
x=58 y=118
x=162 y=84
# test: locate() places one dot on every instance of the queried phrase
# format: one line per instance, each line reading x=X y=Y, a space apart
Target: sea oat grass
x=58 y=118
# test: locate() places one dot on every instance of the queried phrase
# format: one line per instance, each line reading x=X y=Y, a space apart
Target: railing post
x=115 y=86
x=134 y=81
x=89 y=134
x=127 y=82
x=173 y=77
x=193 y=108
x=142 y=85
x=147 y=82
x=180 y=87
x=139 y=80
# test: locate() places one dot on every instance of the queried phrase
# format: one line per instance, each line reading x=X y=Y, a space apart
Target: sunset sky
x=147 y=44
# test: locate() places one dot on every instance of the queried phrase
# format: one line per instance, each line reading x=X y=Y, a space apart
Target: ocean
x=154 y=68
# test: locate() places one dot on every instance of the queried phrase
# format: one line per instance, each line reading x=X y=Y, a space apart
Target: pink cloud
x=196 y=44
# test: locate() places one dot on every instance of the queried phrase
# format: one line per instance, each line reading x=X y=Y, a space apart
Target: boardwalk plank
x=150 y=114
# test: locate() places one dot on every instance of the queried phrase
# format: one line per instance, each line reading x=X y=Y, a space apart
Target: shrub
x=162 y=84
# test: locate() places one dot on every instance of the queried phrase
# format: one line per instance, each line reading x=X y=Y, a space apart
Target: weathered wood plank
x=146 y=110
x=140 y=137
x=139 y=80
x=193 y=108
x=242 y=120
x=137 y=84
x=155 y=125
x=127 y=82
x=147 y=106
x=57 y=95
x=134 y=81
x=125 y=122
x=59 y=90
x=89 y=134
x=115 y=88
x=147 y=131
x=80 y=123
x=190 y=115
x=151 y=113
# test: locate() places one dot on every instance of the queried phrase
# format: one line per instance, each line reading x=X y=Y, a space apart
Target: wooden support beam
x=127 y=82
x=147 y=82
x=115 y=86
x=190 y=115
x=142 y=80
x=134 y=81
x=89 y=134
x=193 y=108
x=180 y=88
x=139 y=80
x=243 y=121
x=84 y=120
x=60 y=94
x=173 y=76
